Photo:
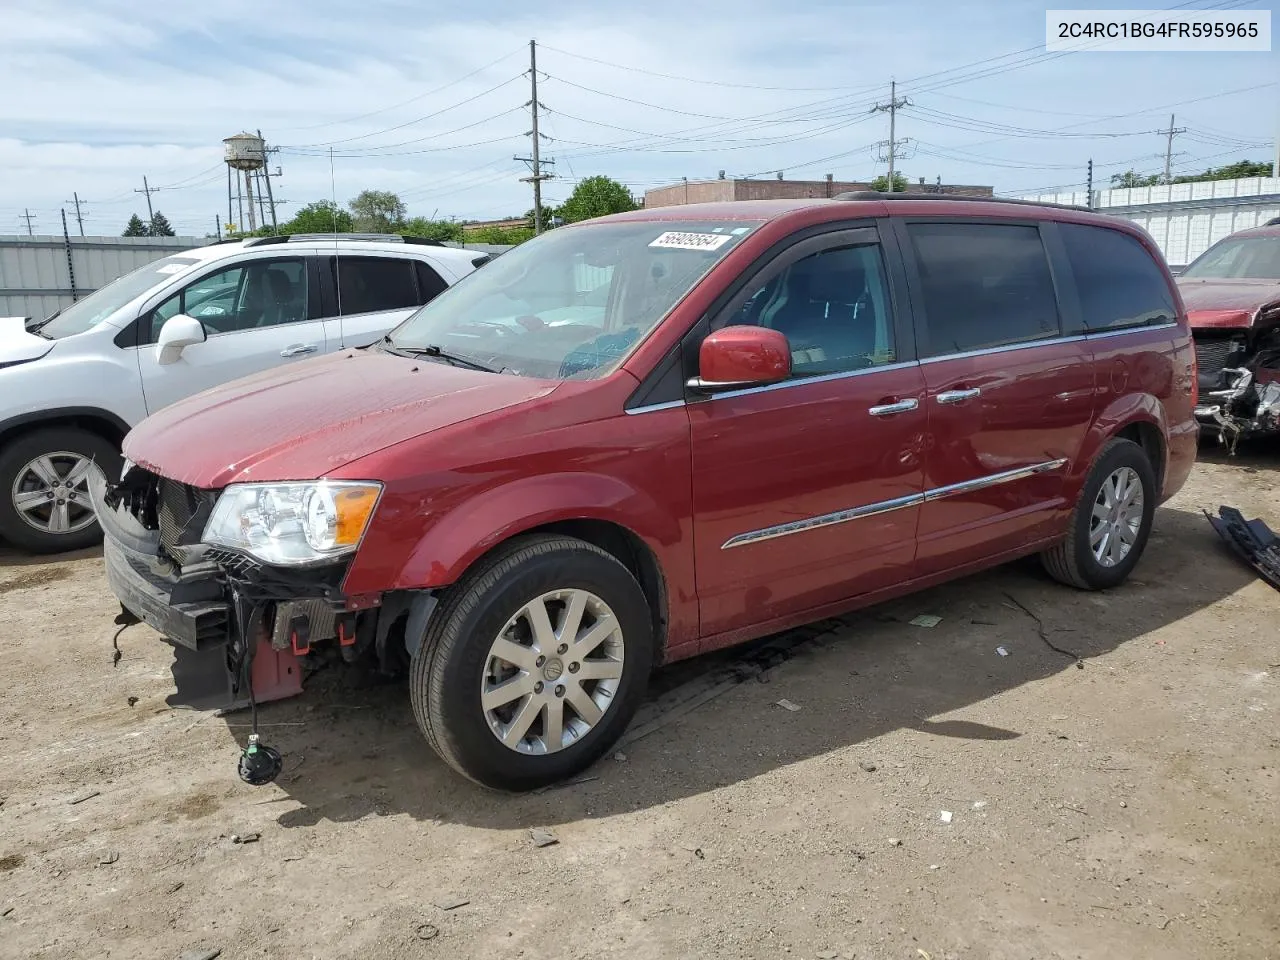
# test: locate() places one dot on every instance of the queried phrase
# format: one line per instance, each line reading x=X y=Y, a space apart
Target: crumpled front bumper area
x=193 y=607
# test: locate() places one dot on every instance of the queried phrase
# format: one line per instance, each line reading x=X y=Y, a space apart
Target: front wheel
x=44 y=488
x=1111 y=521
x=534 y=663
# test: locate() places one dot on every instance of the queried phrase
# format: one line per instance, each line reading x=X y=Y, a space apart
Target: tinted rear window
x=1118 y=283
x=985 y=285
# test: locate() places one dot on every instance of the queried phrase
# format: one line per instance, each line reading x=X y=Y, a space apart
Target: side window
x=259 y=293
x=984 y=285
x=833 y=307
x=370 y=284
x=430 y=283
x=1118 y=283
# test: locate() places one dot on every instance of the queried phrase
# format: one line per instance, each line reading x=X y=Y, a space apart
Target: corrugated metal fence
x=41 y=274
x=1185 y=219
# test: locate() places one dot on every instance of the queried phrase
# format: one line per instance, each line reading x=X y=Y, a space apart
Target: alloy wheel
x=1117 y=517
x=552 y=672
x=51 y=493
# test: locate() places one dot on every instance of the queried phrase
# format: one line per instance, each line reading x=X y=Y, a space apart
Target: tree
x=881 y=183
x=596 y=197
x=323 y=216
x=441 y=230
x=378 y=211
x=1130 y=179
x=135 y=227
x=548 y=215
x=501 y=236
x=1233 y=171
x=159 y=226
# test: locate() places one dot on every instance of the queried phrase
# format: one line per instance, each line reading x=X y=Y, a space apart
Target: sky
x=429 y=100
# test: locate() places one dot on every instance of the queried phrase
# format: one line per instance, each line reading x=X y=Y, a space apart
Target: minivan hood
x=1212 y=303
x=17 y=345
x=307 y=419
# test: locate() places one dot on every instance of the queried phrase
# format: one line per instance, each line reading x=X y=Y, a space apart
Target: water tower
x=244 y=153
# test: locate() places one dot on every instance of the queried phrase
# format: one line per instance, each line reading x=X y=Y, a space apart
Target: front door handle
x=889 y=409
x=958 y=396
x=298 y=349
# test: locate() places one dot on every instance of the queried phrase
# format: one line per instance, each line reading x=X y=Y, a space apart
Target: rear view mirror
x=178 y=333
x=735 y=357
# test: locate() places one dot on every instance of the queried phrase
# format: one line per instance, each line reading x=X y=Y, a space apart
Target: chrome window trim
x=651 y=407
x=820 y=378
x=1104 y=334
x=886 y=506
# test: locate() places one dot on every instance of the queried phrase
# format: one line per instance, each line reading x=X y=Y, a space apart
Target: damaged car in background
x=1232 y=295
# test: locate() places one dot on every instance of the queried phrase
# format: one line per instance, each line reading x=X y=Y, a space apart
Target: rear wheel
x=534 y=663
x=1111 y=521
x=44 y=488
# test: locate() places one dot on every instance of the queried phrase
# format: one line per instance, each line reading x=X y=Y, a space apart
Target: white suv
x=73 y=385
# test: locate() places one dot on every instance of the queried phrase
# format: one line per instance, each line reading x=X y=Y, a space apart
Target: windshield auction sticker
x=674 y=240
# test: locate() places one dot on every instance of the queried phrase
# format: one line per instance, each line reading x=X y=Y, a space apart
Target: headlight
x=293 y=523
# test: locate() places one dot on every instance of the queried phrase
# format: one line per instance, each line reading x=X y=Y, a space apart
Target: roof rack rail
x=964 y=198
x=384 y=237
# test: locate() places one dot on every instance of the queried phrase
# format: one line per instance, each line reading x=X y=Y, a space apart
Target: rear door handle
x=958 y=396
x=298 y=349
x=889 y=409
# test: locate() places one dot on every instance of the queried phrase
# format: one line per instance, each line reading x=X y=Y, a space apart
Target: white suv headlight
x=293 y=524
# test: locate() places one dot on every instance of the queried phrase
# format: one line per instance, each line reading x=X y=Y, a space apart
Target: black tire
x=1072 y=561
x=16 y=455
x=446 y=674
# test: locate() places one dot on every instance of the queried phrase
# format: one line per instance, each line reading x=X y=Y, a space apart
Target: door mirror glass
x=735 y=357
x=178 y=333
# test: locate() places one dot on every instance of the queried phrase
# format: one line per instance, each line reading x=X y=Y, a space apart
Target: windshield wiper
x=35 y=327
x=434 y=350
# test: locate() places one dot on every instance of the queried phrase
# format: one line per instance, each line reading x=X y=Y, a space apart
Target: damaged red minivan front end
x=1232 y=295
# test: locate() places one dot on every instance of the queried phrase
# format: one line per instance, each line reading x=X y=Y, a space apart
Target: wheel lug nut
x=537 y=687
x=540 y=661
x=562 y=648
x=573 y=668
x=559 y=690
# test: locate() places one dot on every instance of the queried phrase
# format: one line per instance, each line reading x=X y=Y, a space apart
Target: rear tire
x=570 y=687
x=1111 y=522
x=43 y=487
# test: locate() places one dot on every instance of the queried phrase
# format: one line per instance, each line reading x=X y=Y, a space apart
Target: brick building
x=708 y=191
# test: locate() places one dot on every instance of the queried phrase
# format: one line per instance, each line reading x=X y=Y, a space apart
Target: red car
x=655 y=434
x=1232 y=293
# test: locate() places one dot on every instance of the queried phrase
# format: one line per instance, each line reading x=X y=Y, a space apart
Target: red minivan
x=655 y=434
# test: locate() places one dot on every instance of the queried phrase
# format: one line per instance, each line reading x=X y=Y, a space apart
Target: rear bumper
x=187 y=605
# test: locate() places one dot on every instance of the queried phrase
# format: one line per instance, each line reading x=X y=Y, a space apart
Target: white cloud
x=102 y=92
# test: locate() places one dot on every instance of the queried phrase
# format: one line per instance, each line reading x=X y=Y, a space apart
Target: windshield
x=84 y=314
x=1243 y=258
x=573 y=302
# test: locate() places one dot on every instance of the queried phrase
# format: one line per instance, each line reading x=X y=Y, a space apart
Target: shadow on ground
x=354 y=753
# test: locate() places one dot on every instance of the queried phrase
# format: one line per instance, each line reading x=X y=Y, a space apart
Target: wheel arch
x=1137 y=417
x=95 y=420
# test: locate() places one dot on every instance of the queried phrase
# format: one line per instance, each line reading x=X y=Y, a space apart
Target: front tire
x=534 y=663
x=44 y=493
x=1111 y=522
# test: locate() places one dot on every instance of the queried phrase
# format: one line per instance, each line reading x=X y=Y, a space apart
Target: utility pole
x=534 y=159
x=217 y=225
x=248 y=189
x=28 y=216
x=148 y=191
x=71 y=267
x=79 y=219
x=1089 y=185
x=895 y=104
x=1168 y=150
x=266 y=172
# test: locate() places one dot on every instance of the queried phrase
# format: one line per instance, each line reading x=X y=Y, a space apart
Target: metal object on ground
x=1252 y=540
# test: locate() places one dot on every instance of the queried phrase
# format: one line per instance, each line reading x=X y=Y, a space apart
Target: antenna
x=337 y=253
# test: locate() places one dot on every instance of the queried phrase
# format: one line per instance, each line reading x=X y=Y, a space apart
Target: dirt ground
x=1124 y=810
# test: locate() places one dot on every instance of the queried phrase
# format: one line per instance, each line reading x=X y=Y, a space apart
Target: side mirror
x=178 y=333
x=735 y=357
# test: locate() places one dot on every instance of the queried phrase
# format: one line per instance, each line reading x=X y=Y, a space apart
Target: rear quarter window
x=1117 y=281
